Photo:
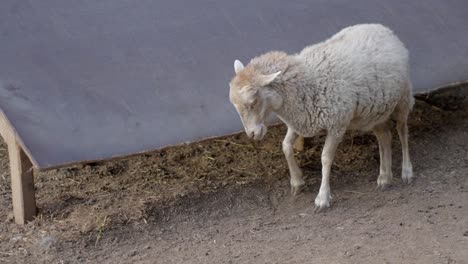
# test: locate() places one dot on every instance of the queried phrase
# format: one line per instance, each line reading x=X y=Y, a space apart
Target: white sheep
x=356 y=80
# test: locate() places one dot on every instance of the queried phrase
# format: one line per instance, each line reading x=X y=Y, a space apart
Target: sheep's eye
x=252 y=104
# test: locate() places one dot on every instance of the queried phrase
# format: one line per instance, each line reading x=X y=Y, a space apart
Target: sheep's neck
x=297 y=110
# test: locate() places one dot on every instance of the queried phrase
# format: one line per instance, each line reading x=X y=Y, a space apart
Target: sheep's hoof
x=383 y=182
x=322 y=201
x=407 y=176
x=296 y=189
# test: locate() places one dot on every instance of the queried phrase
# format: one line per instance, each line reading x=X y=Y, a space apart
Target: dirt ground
x=227 y=201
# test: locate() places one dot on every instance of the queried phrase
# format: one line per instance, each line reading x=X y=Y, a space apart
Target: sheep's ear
x=267 y=79
x=238 y=66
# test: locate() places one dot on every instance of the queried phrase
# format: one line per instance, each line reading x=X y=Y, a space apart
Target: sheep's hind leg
x=295 y=172
x=400 y=115
x=384 y=137
x=328 y=154
x=407 y=167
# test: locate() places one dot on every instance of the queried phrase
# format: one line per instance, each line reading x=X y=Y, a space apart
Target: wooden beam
x=22 y=175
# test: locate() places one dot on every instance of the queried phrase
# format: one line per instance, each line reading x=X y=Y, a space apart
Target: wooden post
x=21 y=173
x=22 y=184
x=299 y=144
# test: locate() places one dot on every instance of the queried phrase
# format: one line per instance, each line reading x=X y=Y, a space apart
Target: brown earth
x=228 y=201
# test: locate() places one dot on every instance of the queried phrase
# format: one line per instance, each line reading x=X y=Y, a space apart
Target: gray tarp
x=89 y=80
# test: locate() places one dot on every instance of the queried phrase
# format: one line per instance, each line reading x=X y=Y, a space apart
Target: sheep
x=356 y=80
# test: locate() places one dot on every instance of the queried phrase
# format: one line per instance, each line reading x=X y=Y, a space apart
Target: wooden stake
x=22 y=184
x=299 y=144
x=22 y=178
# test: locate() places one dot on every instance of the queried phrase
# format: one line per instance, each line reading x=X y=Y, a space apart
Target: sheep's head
x=253 y=99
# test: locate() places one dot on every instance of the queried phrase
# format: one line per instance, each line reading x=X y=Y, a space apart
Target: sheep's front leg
x=295 y=172
x=328 y=154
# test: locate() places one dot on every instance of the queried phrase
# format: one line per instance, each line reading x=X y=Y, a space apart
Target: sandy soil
x=228 y=201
